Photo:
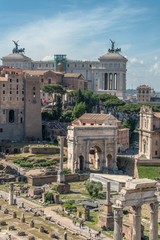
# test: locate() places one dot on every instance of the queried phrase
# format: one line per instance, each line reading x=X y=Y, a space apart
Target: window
x=22 y=99
x=21 y=120
x=46 y=65
x=3 y=84
x=42 y=80
x=3 y=91
x=90 y=65
x=139 y=91
x=84 y=124
x=39 y=65
x=82 y=65
x=22 y=92
x=10 y=86
x=75 y=65
x=11 y=116
x=156 y=153
x=16 y=92
x=68 y=65
x=10 y=80
x=17 y=87
x=17 y=99
x=34 y=88
x=143 y=91
x=49 y=81
x=156 y=142
x=17 y=80
x=10 y=92
x=1 y=129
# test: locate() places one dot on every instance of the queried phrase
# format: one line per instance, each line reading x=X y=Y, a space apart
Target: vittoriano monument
x=16 y=49
x=112 y=49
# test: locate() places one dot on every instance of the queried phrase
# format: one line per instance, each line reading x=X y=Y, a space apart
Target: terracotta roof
x=72 y=75
x=94 y=116
x=156 y=114
x=40 y=72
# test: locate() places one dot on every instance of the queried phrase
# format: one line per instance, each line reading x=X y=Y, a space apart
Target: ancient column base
x=62 y=187
x=61 y=177
x=107 y=221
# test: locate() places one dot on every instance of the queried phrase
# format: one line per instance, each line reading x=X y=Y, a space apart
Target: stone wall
x=126 y=164
x=44 y=150
x=40 y=180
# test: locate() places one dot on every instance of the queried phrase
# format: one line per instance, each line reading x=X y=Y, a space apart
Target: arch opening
x=11 y=116
x=95 y=158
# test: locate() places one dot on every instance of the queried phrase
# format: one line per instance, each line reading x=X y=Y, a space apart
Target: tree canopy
x=79 y=110
x=53 y=88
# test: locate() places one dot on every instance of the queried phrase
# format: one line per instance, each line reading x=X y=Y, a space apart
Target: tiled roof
x=40 y=72
x=94 y=116
x=156 y=114
x=72 y=75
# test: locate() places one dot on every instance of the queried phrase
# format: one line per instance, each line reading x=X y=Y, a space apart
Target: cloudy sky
x=82 y=29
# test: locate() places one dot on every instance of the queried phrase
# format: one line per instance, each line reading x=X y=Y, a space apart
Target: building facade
x=20 y=110
x=149 y=134
x=106 y=75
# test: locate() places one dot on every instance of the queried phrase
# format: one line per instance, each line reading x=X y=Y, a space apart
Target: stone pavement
x=58 y=219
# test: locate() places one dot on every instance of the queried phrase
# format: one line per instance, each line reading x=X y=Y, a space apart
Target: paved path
x=58 y=219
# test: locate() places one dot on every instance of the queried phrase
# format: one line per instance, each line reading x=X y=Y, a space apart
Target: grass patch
x=149 y=172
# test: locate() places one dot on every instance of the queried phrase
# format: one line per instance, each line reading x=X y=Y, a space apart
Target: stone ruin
x=106 y=219
x=62 y=186
x=136 y=193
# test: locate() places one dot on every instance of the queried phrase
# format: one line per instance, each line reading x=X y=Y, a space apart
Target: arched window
x=11 y=116
x=115 y=81
x=143 y=91
x=106 y=81
x=110 y=81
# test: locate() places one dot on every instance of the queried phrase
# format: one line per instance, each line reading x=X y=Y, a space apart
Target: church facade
x=106 y=75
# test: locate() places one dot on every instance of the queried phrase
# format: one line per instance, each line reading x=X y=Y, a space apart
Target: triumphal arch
x=94 y=146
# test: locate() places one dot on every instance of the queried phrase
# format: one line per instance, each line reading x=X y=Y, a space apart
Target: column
x=61 y=152
x=61 y=175
x=118 y=219
x=11 y=194
x=153 y=221
x=108 y=193
x=136 y=234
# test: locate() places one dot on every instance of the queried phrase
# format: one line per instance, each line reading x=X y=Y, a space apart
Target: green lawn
x=149 y=172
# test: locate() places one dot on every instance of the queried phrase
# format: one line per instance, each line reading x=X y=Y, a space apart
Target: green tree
x=93 y=188
x=59 y=90
x=130 y=123
x=66 y=116
x=113 y=103
x=78 y=110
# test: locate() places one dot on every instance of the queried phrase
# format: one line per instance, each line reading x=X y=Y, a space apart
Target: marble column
x=136 y=211
x=153 y=221
x=108 y=193
x=118 y=219
x=61 y=175
x=11 y=198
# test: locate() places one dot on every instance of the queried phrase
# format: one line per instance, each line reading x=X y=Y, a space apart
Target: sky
x=82 y=29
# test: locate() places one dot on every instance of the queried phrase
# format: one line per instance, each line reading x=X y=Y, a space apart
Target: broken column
x=118 y=219
x=62 y=187
x=14 y=214
x=106 y=219
x=153 y=221
x=61 y=175
x=11 y=197
x=22 y=218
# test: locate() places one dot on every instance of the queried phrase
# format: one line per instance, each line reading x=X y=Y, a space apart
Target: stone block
x=31 y=238
x=11 y=228
x=107 y=221
x=41 y=229
x=63 y=188
x=21 y=233
x=56 y=198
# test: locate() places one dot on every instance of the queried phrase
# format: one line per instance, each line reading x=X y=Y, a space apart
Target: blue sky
x=82 y=29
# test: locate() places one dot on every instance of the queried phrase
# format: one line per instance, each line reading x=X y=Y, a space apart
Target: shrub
x=49 y=197
x=93 y=188
x=69 y=206
x=67 y=170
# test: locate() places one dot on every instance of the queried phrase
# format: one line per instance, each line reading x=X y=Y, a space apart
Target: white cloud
x=155 y=58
